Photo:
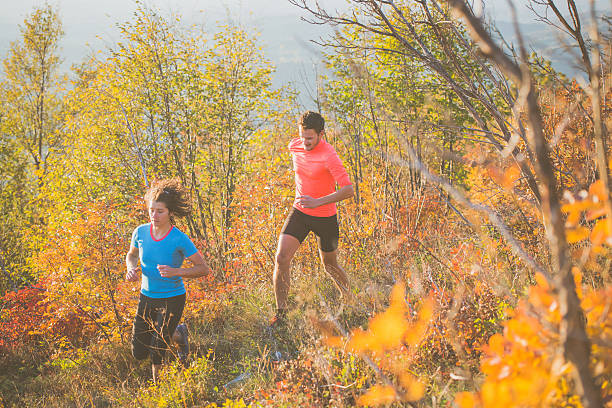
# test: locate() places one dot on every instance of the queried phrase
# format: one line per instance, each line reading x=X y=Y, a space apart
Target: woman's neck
x=159 y=231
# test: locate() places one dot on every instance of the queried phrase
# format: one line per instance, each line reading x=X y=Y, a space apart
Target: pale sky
x=284 y=36
x=90 y=25
x=85 y=19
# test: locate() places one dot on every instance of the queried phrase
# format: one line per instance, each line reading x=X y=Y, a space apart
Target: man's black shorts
x=298 y=225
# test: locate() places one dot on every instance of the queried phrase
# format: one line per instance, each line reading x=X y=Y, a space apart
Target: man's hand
x=167 y=271
x=342 y=194
x=131 y=275
x=308 y=202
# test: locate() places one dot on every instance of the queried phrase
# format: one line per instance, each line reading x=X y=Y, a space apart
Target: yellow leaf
x=378 y=395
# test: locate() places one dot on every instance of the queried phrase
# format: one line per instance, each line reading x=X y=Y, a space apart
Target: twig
x=344 y=387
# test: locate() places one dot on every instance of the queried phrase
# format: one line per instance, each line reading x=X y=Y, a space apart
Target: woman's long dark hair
x=172 y=194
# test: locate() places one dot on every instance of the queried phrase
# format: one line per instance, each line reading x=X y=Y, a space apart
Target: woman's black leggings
x=155 y=322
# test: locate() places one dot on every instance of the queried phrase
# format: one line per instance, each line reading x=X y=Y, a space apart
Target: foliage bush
x=445 y=310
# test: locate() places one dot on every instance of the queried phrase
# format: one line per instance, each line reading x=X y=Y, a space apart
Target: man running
x=317 y=170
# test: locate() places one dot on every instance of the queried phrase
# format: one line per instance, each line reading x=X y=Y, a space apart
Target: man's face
x=310 y=137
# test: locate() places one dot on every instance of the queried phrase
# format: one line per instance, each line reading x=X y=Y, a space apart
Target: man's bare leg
x=330 y=262
x=287 y=246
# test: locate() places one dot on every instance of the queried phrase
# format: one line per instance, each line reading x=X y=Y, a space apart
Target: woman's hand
x=131 y=264
x=167 y=271
x=131 y=275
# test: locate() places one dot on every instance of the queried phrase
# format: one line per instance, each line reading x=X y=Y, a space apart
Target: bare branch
x=577 y=347
x=493 y=217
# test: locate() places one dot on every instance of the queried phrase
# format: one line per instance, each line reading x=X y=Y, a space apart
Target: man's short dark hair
x=312 y=120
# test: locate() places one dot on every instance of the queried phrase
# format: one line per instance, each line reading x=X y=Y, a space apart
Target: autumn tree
x=239 y=102
x=374 y=82
x=13 y=221
x=31 y=93
x=31 y=88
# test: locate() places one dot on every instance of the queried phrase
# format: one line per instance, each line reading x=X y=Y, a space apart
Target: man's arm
x=341 y=194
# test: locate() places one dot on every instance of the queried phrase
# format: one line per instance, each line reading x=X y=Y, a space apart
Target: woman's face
x=158 y=213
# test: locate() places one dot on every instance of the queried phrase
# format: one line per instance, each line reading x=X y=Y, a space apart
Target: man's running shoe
x=281 y=343
x=277 y=327
x=278 y=322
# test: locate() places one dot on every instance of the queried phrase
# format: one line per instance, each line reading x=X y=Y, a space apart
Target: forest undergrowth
x=478 y=243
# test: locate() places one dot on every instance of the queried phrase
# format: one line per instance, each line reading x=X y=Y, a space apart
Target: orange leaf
x=496 y=395
x=360 y=341
x=510 y=176
x=574 y=210
x=334 y=341
x=602 y=232
x=378 y=395
x=598 y=189
x=577 y=280
x=414 y=388
x=577 y=235
x=596 y=213
x=417 y=332
x=577 y=206
x=386 y=329
x=495 y=174
x=465 y=400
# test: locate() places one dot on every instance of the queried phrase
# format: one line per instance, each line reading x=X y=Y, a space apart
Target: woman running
x=160 y=248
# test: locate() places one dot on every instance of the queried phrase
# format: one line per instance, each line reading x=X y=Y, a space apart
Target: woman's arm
x=199 y=268
x=131 y=263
